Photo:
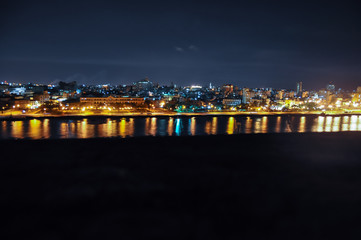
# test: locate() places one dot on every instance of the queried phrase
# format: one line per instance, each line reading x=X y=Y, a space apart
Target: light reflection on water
x=178 y=127
x=192 y=125
x=207 y=127
x=214 y=125
x=353 y=124
x=249 y=125
x=336 y=124
x=345 y=123
x=230 y=126
x=170 y=126
x=320 y=123
x=328 y=124
x=17 y=129
x=302 y=127
x=174 y=126
x=264 y=125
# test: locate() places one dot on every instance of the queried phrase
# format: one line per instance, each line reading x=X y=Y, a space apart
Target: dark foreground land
x=284 y=186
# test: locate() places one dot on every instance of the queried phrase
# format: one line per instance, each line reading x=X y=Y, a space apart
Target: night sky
x=247 y=43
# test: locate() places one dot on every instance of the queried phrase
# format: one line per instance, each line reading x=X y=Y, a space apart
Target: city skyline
x=298 y=86
x=248 y=43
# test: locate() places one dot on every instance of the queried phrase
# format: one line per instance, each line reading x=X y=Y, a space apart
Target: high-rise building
x=358 y=90
x=330 y=87
x=143 y=85
x=299 y=89
x=245 y=95
x=227 y=89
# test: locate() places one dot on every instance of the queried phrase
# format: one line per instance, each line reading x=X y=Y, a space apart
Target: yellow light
x=193 y=126
x=230 y=126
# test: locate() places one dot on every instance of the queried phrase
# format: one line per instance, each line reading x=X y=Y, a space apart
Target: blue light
x=178 y=127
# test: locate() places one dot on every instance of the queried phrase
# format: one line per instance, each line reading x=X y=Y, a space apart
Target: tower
x=299 y=89
x=330 y=87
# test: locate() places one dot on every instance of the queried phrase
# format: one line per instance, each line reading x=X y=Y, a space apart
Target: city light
x=144 y=97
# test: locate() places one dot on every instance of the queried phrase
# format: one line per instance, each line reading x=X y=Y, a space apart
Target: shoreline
x=143 y=115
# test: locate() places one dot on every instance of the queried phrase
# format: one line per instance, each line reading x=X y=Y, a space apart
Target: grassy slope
x=290 y=186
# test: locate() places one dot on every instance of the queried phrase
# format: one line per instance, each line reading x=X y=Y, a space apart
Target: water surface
x=55 y=128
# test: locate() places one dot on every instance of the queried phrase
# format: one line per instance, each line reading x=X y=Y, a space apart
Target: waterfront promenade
x=20 y=115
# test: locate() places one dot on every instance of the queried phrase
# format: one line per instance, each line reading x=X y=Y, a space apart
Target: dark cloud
x=179 y=49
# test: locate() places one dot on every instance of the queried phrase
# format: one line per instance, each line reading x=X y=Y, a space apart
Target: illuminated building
x=330 y=87
x=245 y=95
x=143 y=85
x=356 y=97
x=17 y=90
x=280 y=94
x=112 y=100
x=42 y=98
x=231 y=102
x=358 y=90
x=227 y=89
x=305 y=94
x=299 y=89
x=21 y=103
x=195 y=87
